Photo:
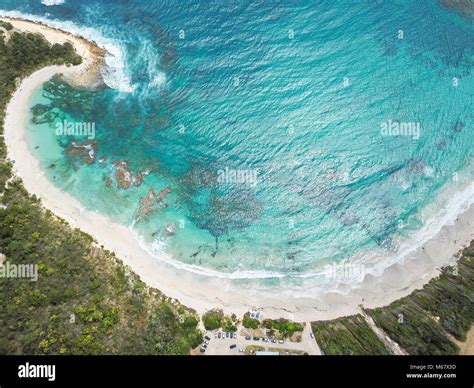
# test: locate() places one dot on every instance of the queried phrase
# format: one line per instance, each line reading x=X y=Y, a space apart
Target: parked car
x=247 y=337
x=202 y=350
x=274 y=340
x=281 y=341
x=207 y=338
x=215 y=335
x=204 y=346
x=256 y=339
x=235 y=335
x=233 y=346
x=227 y=335
x=265 y=339
x=241 y=350
x=219 y=335
x=312 y=335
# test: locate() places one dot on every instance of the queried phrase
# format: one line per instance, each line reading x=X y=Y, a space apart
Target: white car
x=235 y=335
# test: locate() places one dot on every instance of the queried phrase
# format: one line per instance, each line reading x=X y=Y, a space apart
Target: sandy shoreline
x=87 y=74
x=196 y=291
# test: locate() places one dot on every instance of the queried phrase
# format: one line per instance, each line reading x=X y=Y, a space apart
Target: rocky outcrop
x=125 y=177
x=123 y=174
x=86 y=151
x=152 y=202
x=162 y=194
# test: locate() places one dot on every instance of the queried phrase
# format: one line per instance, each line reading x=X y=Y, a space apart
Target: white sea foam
x=167 y=259
x=449 y=205
x=159 y=80
x=157 y=77
x=52 y=2
x=114 y=72
x=435 y=216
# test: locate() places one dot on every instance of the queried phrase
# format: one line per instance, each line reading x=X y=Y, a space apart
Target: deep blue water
x=294 y=95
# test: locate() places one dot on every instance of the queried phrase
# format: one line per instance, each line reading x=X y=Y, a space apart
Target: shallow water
x=274 y=125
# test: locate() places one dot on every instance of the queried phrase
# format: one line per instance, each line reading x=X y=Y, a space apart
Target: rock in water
x=148 y=202
x=86 y=151
x=123 y=174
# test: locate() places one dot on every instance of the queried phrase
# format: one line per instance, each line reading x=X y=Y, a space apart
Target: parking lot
x=219 y=344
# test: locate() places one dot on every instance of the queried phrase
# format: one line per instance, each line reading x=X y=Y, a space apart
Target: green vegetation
x=229 y=324
x=213 y=319
x=413 y=329
x=451 y=297
x=347 y=336
x=85 y=300
x=250 y=323
x=19 y=57
x=285 y=327
x=420 y=323
x=7 y=26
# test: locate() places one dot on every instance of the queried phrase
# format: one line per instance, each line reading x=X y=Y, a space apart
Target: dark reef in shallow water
x=463 y=7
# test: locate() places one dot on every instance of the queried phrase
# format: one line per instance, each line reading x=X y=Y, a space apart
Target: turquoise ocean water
x=268 y=122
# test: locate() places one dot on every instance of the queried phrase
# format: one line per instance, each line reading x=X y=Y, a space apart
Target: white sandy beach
x=197 y=291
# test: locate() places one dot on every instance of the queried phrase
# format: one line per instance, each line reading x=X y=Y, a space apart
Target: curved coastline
x=113 y=74
x=196 y=291
x=87 y=75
